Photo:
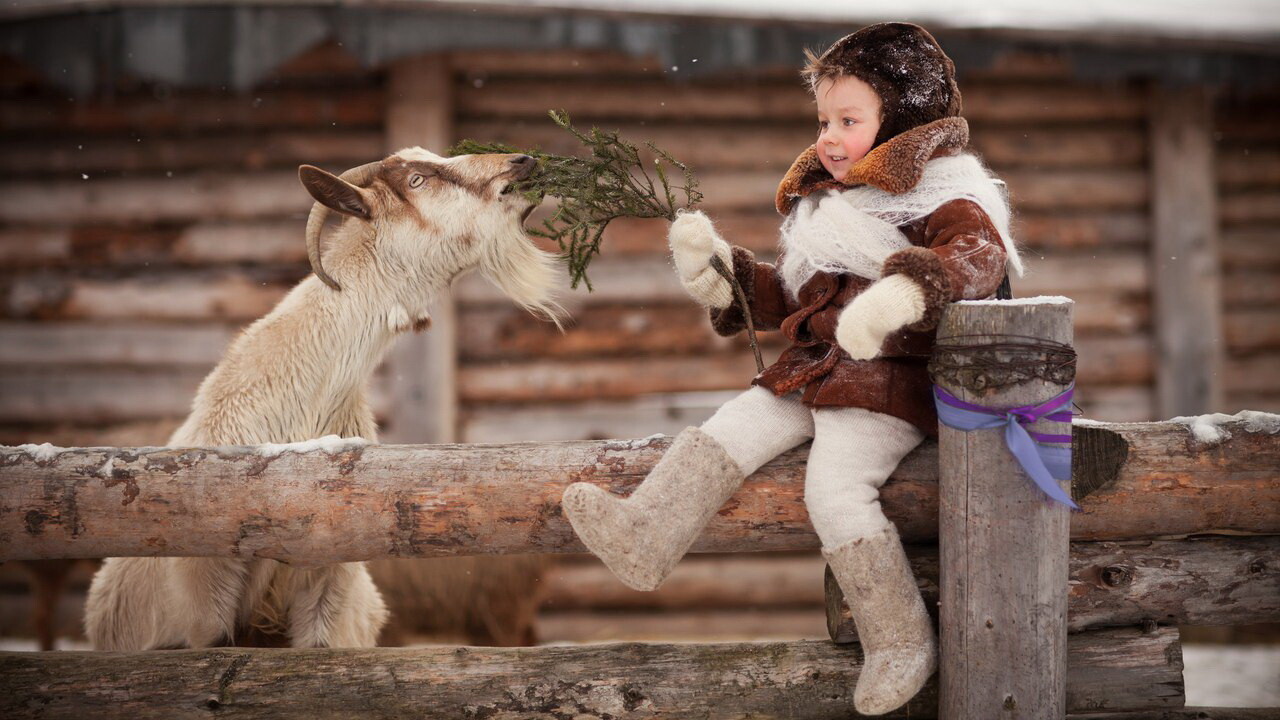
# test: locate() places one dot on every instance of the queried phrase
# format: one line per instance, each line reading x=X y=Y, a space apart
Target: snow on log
x=1107 y=670
x=1138 y=480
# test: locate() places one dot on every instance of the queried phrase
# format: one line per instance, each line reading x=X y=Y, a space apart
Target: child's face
x=848 y=120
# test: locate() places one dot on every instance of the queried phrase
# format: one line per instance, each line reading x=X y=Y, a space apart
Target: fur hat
x=914 y=78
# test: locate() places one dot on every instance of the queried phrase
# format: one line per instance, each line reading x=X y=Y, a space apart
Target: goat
x=415 y=221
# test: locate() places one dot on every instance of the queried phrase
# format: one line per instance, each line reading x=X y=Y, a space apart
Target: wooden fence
x=1145 y=488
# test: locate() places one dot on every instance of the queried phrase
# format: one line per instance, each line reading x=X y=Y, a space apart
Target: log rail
x=1109 y=670
x=1144 y=489
x=355 y=502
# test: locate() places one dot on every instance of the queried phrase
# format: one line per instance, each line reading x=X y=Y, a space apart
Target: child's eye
x=822 y=125
x=849 y=121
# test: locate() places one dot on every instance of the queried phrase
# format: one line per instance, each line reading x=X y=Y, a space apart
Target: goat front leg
x=333 y=606
x=205 y=595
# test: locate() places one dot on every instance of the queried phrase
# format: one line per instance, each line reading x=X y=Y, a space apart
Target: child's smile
x=848 y=121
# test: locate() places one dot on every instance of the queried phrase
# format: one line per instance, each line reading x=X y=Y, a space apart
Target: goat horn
x=358 y=176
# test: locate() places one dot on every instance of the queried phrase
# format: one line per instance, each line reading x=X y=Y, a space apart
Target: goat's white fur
x=299 y=373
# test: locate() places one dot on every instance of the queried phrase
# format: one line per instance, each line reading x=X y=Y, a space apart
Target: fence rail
x=1108 y=670
x=1135 y=480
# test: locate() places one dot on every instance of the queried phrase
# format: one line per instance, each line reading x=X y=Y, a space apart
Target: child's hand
x=693 y=241
x=883 y=308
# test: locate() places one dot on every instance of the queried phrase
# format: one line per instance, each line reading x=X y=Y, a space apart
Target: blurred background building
x=149 y=208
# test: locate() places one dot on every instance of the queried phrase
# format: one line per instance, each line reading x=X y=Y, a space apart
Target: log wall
x=1247 y=135
x=641 y=358
x=138 y=232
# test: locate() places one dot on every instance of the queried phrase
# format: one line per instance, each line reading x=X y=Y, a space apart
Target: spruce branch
x=610 y=181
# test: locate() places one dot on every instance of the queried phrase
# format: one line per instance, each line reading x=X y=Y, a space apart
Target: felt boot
x=642 y=537
x=899 y=649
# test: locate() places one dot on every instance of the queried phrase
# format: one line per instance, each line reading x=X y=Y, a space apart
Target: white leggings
x=854 y=452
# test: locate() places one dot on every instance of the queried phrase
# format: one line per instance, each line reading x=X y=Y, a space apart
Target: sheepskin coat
x=956 y=254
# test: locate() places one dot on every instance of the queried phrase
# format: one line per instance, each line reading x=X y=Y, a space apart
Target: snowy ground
x=1232 y=675
x=1216 y=675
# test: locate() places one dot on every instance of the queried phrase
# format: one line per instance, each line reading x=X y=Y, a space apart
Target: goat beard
x=525 y=273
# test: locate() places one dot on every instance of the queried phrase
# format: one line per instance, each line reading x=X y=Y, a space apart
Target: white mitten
x=693 y=242
x=884 y=307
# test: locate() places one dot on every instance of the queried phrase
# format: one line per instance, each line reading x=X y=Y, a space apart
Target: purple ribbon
x=1044 y=464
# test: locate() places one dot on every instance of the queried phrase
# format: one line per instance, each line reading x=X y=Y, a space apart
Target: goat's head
x=433 y=218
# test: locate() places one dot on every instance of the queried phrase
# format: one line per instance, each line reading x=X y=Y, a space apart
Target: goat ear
x=334 y=193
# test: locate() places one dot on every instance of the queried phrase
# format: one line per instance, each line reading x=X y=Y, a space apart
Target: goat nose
x=524 y=166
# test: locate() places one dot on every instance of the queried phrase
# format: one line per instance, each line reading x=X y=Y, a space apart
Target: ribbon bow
x=1042 y=463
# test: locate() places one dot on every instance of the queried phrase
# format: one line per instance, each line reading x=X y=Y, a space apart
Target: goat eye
x=416 y=181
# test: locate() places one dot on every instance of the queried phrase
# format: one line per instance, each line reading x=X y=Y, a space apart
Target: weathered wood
x=1250 y=248
x=1003 y=546
x=1248 y=168
x=30 y=393
x=700 y=582
x=1249 y=206
x=1253 y=374
x=1196 y=581
x=1250 y=289
x=1104 y=360
x=718 y=145
x=1252 y=330
x=114 y=155
x=204 y=195
x=1118 y=404
x=246 y=295
x=1117 y=669
x=1186 y=294
x=592 y=420
x=95 y=344
x=425 y=501
x=344 y=108
x=422 y=368
x=264 y=242
x=1188 y=713
x=231 y=195
x=228 y=296
x=494 y=333
x=672 y=625
x=638 y=98
x=1107 y=230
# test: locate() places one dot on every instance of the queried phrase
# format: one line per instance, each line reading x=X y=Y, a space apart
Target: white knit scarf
x=855 y=229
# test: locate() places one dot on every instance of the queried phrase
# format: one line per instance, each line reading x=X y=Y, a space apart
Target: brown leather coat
x=957 y=255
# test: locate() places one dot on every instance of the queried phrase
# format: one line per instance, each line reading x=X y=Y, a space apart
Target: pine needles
x=612 y=181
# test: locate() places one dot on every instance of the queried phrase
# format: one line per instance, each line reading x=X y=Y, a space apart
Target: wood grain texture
x=1003 y=546
x=434 y=500
x=422 y=367
x=1186 y=287
x=1195 y=581
x=804 y=680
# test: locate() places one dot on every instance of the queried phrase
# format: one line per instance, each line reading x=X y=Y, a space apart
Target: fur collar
x=894 y=166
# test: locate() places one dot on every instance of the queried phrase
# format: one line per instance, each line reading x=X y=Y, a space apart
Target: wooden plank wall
x=1248 y=180
x=641 y=358
x=119 y=290
x=140 y=230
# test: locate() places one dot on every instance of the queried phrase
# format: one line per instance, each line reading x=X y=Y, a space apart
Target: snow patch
x=1255 y=421
x=107 y=468
x=636 y=444
x=330 y=444
x=1037 y=300
x=44 y=452
x=1208 y=430
x=1087 y=421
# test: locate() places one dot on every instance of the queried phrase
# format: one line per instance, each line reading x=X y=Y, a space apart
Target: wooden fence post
x=423 y=366
x=1003 y=543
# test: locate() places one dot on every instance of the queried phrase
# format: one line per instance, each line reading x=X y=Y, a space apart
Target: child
x=887 y=221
